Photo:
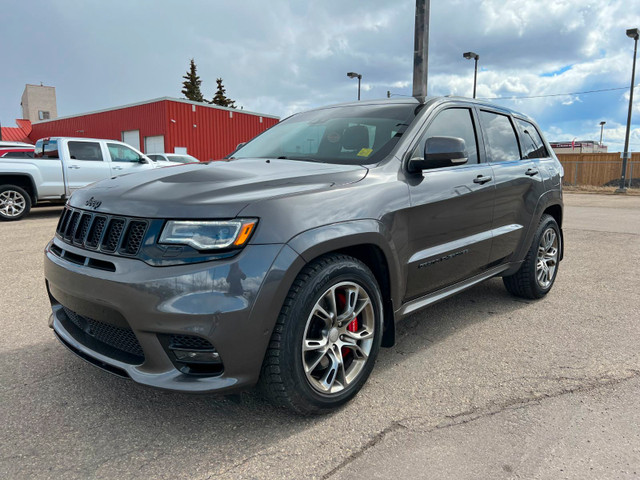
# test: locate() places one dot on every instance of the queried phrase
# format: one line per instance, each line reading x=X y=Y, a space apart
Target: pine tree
x=220 y=98
x=191 y=84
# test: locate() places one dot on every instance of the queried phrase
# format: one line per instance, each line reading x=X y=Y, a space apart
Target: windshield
x=355 y=135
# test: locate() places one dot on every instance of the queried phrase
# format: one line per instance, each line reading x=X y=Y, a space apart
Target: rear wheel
x=15 y=203
x=538 y=271
x=327 y=336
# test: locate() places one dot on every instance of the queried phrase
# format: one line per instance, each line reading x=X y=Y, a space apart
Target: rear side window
x=87 y=151
x=122 y=153
x=453 y=122
x=47 y=149
x=18 y=155
x=500 y=137
x=532 y=144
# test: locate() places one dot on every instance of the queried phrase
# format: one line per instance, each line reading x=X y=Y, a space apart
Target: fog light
x=197 y=356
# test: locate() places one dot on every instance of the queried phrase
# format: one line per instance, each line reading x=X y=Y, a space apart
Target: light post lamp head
x=471 y=56
x=602 y=123
x=633 y=33
x=354 y=75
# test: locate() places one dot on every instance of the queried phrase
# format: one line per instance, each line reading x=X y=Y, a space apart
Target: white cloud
x=281 y=57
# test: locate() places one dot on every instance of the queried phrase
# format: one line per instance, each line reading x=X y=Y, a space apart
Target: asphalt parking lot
x=482 y=385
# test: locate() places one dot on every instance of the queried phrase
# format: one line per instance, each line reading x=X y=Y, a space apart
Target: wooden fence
x=597 y=169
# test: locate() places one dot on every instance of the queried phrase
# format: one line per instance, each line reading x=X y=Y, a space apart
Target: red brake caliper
x=353 y=326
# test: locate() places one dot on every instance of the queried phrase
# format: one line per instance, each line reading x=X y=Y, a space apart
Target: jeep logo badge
x=93 y=203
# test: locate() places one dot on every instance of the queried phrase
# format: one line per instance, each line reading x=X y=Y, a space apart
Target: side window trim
x=482 y=154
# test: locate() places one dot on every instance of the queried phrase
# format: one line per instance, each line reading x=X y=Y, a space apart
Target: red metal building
x=208 y=132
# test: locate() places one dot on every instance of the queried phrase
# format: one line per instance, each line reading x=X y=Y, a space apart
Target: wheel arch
x=24 y=181
x=367 y=241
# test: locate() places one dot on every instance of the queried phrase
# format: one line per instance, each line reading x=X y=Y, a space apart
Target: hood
x=210 y=190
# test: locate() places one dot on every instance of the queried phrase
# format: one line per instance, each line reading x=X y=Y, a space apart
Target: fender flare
x=546 y=200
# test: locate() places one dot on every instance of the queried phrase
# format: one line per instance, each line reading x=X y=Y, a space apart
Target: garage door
x=154 y=144
x=132 y=137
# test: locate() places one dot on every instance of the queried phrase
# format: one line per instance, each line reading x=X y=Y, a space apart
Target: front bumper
x=231 y=303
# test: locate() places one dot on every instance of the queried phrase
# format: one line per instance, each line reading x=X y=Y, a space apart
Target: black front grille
x=96 y=231
x=113 y=235
x=134 y=237
x=104 y=233
x=122 y=339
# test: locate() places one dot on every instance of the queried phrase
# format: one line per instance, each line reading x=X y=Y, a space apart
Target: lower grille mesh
x=119 y=338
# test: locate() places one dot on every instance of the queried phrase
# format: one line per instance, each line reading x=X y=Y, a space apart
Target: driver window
x=453 y=122
x=122 y=153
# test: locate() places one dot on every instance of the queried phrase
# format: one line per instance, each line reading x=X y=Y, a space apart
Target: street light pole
x=635 y=34
x=601 y=131
x=359 y=77
x=475 y=56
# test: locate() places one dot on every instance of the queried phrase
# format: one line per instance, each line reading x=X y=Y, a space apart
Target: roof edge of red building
x=161 y=99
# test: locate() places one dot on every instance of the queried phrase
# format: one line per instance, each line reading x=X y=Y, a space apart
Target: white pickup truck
x=62 y=165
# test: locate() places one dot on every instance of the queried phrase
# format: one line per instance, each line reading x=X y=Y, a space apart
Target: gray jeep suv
x=289 y=263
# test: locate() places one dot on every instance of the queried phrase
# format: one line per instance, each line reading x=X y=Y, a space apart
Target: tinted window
x=46 y=149
x=454 y=122
x=122 y=153
x=532 y=144
x=500 y=138
x=88 y=151
x=155 y=158
x=348 y=134
x=182 y=159
x=18 y=155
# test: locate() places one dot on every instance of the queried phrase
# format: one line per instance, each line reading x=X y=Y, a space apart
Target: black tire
x=10 y=210
x=283 y=378
x=525 y=282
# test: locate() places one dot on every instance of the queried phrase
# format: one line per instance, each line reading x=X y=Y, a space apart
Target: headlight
x=208 y=235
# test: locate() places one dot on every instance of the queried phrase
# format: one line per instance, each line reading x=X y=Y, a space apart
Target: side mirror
x=440 y=152
x=145 y=159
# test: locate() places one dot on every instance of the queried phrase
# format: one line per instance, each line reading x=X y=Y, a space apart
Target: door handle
x=531 y=172
x=481 y=179
x=117 y=168
x=75 y=167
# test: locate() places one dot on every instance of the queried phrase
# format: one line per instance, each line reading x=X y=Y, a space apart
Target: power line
x=559 y=94
x=539 y=96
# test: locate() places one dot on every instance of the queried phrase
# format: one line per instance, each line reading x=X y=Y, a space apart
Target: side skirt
x=434 y=297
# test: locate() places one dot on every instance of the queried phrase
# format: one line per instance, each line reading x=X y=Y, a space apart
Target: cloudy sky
x=279 y=57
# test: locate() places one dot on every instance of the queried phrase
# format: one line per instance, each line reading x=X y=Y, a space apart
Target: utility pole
x=421 y=50
x=633 y=33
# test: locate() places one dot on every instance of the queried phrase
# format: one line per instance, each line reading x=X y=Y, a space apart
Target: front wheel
x=15 y=203
x=538 y=271
x=327 y=336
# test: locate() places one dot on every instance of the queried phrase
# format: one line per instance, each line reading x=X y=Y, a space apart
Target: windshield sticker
x=365 y=152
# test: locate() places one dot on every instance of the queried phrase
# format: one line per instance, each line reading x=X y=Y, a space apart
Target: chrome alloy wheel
x=12 y=203
x=547 y=260
x=338 y=337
